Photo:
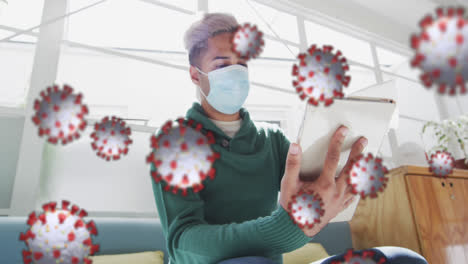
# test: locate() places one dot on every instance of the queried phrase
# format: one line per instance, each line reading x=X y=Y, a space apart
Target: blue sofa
x=128 y=235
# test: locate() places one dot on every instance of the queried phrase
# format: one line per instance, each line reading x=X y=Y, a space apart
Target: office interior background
x=127 y=58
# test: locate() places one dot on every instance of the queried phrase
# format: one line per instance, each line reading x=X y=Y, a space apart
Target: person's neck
x=216 y=115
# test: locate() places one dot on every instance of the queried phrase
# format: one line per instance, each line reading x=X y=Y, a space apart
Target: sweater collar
x=199 y=115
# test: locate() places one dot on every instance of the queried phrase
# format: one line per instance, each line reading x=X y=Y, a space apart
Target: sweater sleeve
x=190 y=239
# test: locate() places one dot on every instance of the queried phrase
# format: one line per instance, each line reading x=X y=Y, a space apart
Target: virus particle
x=366 y=257
x=305 y=209
x=182 y=156
x=111 y=138
x=60 y=114
x=442 y=50
x=59 y=236
x=367 y=176
x=441 y=164
x=247 y=42
x=320 y=75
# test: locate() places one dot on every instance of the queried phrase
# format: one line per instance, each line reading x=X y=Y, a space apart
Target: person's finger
x=349 y=188
x=348 y=194
x=293 y=163
x=342 y=183
x=348 y=202
x=343 y=187
x=356 y=150
x=333 y=154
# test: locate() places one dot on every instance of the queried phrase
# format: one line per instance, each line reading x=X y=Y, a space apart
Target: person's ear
x=194 y=75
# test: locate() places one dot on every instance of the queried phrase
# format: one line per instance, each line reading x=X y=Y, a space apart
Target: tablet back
x=368 y=117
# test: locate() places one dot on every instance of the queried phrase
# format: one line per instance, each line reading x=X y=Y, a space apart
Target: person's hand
x=335 y=192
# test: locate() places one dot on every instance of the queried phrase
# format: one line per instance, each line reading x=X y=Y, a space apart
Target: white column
x=375 y=58
x=44 y=72
x=203 y=6
x=302 y=33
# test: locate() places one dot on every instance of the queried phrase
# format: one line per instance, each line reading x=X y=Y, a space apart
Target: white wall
x=76 y=174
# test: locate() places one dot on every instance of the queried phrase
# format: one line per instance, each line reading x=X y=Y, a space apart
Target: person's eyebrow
x=220 y=58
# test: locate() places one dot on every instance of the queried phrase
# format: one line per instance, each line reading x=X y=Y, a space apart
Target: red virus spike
x=83 y=213
x=94 y=249
x=187 y=160
x=65 y=205
x=441 y=163
x=91 y=226
x=57 y=114
x=79 y=223
x=42 y=218
x=62 y=217
x=305 y=209
x=322 y=73
x=48 y=247
x=74 y=209
x=30 y=234
x=440 y=63
x=26 y=254
x=247 y=42
x=198 y=127
x=31 y=219
x=367 y=176
x=354 y=257
x=56 y=254
x=38 y=255
x=190 y=122
x=75 y=260
x=71 y=236
x=111 y=138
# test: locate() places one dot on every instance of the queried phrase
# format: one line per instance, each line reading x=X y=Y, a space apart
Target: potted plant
x=450 y=136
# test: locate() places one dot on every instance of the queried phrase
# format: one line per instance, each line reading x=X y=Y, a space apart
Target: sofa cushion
x=115 y=236
x=150 y=257
x=308 y=253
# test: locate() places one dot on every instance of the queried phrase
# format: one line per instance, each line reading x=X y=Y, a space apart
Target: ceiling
x=392 y=19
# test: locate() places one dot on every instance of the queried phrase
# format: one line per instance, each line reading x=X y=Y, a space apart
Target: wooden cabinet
x=417 y=211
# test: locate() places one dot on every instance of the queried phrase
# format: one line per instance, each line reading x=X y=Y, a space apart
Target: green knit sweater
x=236 y=214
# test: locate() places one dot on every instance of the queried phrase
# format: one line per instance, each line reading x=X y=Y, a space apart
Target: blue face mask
x=229 y=87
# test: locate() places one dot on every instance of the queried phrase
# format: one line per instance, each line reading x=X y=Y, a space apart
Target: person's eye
x=221 y=66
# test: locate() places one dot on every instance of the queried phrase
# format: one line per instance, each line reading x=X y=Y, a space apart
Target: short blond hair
x=212 y=24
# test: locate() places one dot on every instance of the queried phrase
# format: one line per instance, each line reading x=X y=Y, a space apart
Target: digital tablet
x=368 y=117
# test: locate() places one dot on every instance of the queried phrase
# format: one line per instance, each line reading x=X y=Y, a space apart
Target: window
x=130 y=24
x=399 y=64
x=17 y=61
x=360 y=79
x=352 y=48
x=16 y=54
x=22 y=14
x=145 y=90
x=272 y=72
x=247 y=11
x=285 y=25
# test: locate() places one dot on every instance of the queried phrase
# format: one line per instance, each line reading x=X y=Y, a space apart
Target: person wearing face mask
x=236 y=218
